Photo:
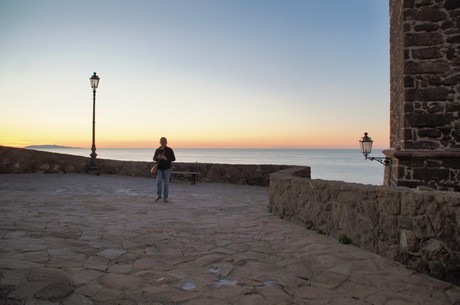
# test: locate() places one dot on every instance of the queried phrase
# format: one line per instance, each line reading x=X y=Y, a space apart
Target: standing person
x=164 y=155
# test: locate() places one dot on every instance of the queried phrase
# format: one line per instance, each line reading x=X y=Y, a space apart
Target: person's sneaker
x=158 y=198
x=166 y=200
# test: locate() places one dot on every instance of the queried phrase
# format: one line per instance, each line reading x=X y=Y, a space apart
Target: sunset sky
x=204 y=73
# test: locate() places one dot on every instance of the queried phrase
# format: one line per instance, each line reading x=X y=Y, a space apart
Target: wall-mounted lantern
x=366 y=149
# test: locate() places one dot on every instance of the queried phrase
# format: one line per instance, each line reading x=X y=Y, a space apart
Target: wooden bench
x=191 y=174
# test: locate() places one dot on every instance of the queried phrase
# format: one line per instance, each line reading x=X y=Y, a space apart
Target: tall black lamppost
x=93 y=164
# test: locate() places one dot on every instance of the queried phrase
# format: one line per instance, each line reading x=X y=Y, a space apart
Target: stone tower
x=425 y=94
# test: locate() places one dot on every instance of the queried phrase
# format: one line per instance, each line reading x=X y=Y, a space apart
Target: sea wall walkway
x=79 y=239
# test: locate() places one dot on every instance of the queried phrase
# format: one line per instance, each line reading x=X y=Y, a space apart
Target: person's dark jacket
x=168 y=153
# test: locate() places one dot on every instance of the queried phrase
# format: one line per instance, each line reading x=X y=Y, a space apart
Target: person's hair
x=163 y=139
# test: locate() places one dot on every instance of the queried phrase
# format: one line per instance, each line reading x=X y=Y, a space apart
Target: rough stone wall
x=420 y=229
x=426 y=169
x=425 y=93
x=17 y=160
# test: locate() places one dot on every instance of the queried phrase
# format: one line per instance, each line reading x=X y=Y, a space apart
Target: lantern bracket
x=382 y=160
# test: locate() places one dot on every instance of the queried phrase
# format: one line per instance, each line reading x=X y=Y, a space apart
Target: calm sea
x=329 y=164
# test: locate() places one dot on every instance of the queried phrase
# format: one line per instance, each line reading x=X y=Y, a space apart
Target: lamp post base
x=93 y=171
x=92 y=168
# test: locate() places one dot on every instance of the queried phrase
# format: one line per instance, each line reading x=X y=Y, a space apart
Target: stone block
x=436 y=107
x=387 y=229
x=432 y=163
x=431 y=174
x=409 y=242
x=440 y=66
x=452 y=163
x=453 y=39
x=437 y=269
x=426 y=27
x=418 y=263
x=452 y=4
x=451 y=81
x=408 y=133
x=409 y=81
x=390 y=206
x=405 y=222
x=456 y=135
x=369 y=209
x=421 y=3
x=423 y=228
x=433 y=14
x=453 y=269
x=429 y=133
x=428 y=94
x=435 y=250
x=409 y=14
x=412 y=204
x=408 y=3
x=429 y=119
x=434 y=80
x=455 y=62
x=430 y=145
x=45 y=166
x=423 y=39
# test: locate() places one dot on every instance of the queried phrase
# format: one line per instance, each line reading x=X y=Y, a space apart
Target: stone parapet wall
x=420 y=229
x=17 y=160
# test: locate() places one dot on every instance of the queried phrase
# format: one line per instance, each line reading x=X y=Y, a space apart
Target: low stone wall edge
x=18 y=160
x=417 y=228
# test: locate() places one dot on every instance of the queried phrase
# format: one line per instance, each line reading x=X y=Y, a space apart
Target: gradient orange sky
x=203 y=73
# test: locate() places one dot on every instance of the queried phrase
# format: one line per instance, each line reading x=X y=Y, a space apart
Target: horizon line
x=228 y=148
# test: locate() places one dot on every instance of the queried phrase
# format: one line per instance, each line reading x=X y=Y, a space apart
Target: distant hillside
x=48 y=146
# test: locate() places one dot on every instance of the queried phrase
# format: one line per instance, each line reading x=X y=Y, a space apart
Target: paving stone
x=84 y=276
x=17 y=264
x=111 y=253
x=71 y=261
x=27 y=290
x=13 y=277
x=76 y=299
x=14 y=234
x=150 y=263
x=121 y=282
x=90 y=289
x=97 y=263
x=214 y=244
x=251 y=299
x=329 y=280
x=274 y=293
x=315 y=293
x=48 y=275
x=55 y=291
x=120 y=268
x=206 y=301
x=37 y=257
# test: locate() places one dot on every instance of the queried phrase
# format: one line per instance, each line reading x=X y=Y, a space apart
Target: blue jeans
x=163 y=177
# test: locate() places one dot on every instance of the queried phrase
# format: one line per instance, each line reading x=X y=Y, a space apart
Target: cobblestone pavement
x=78 y=239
